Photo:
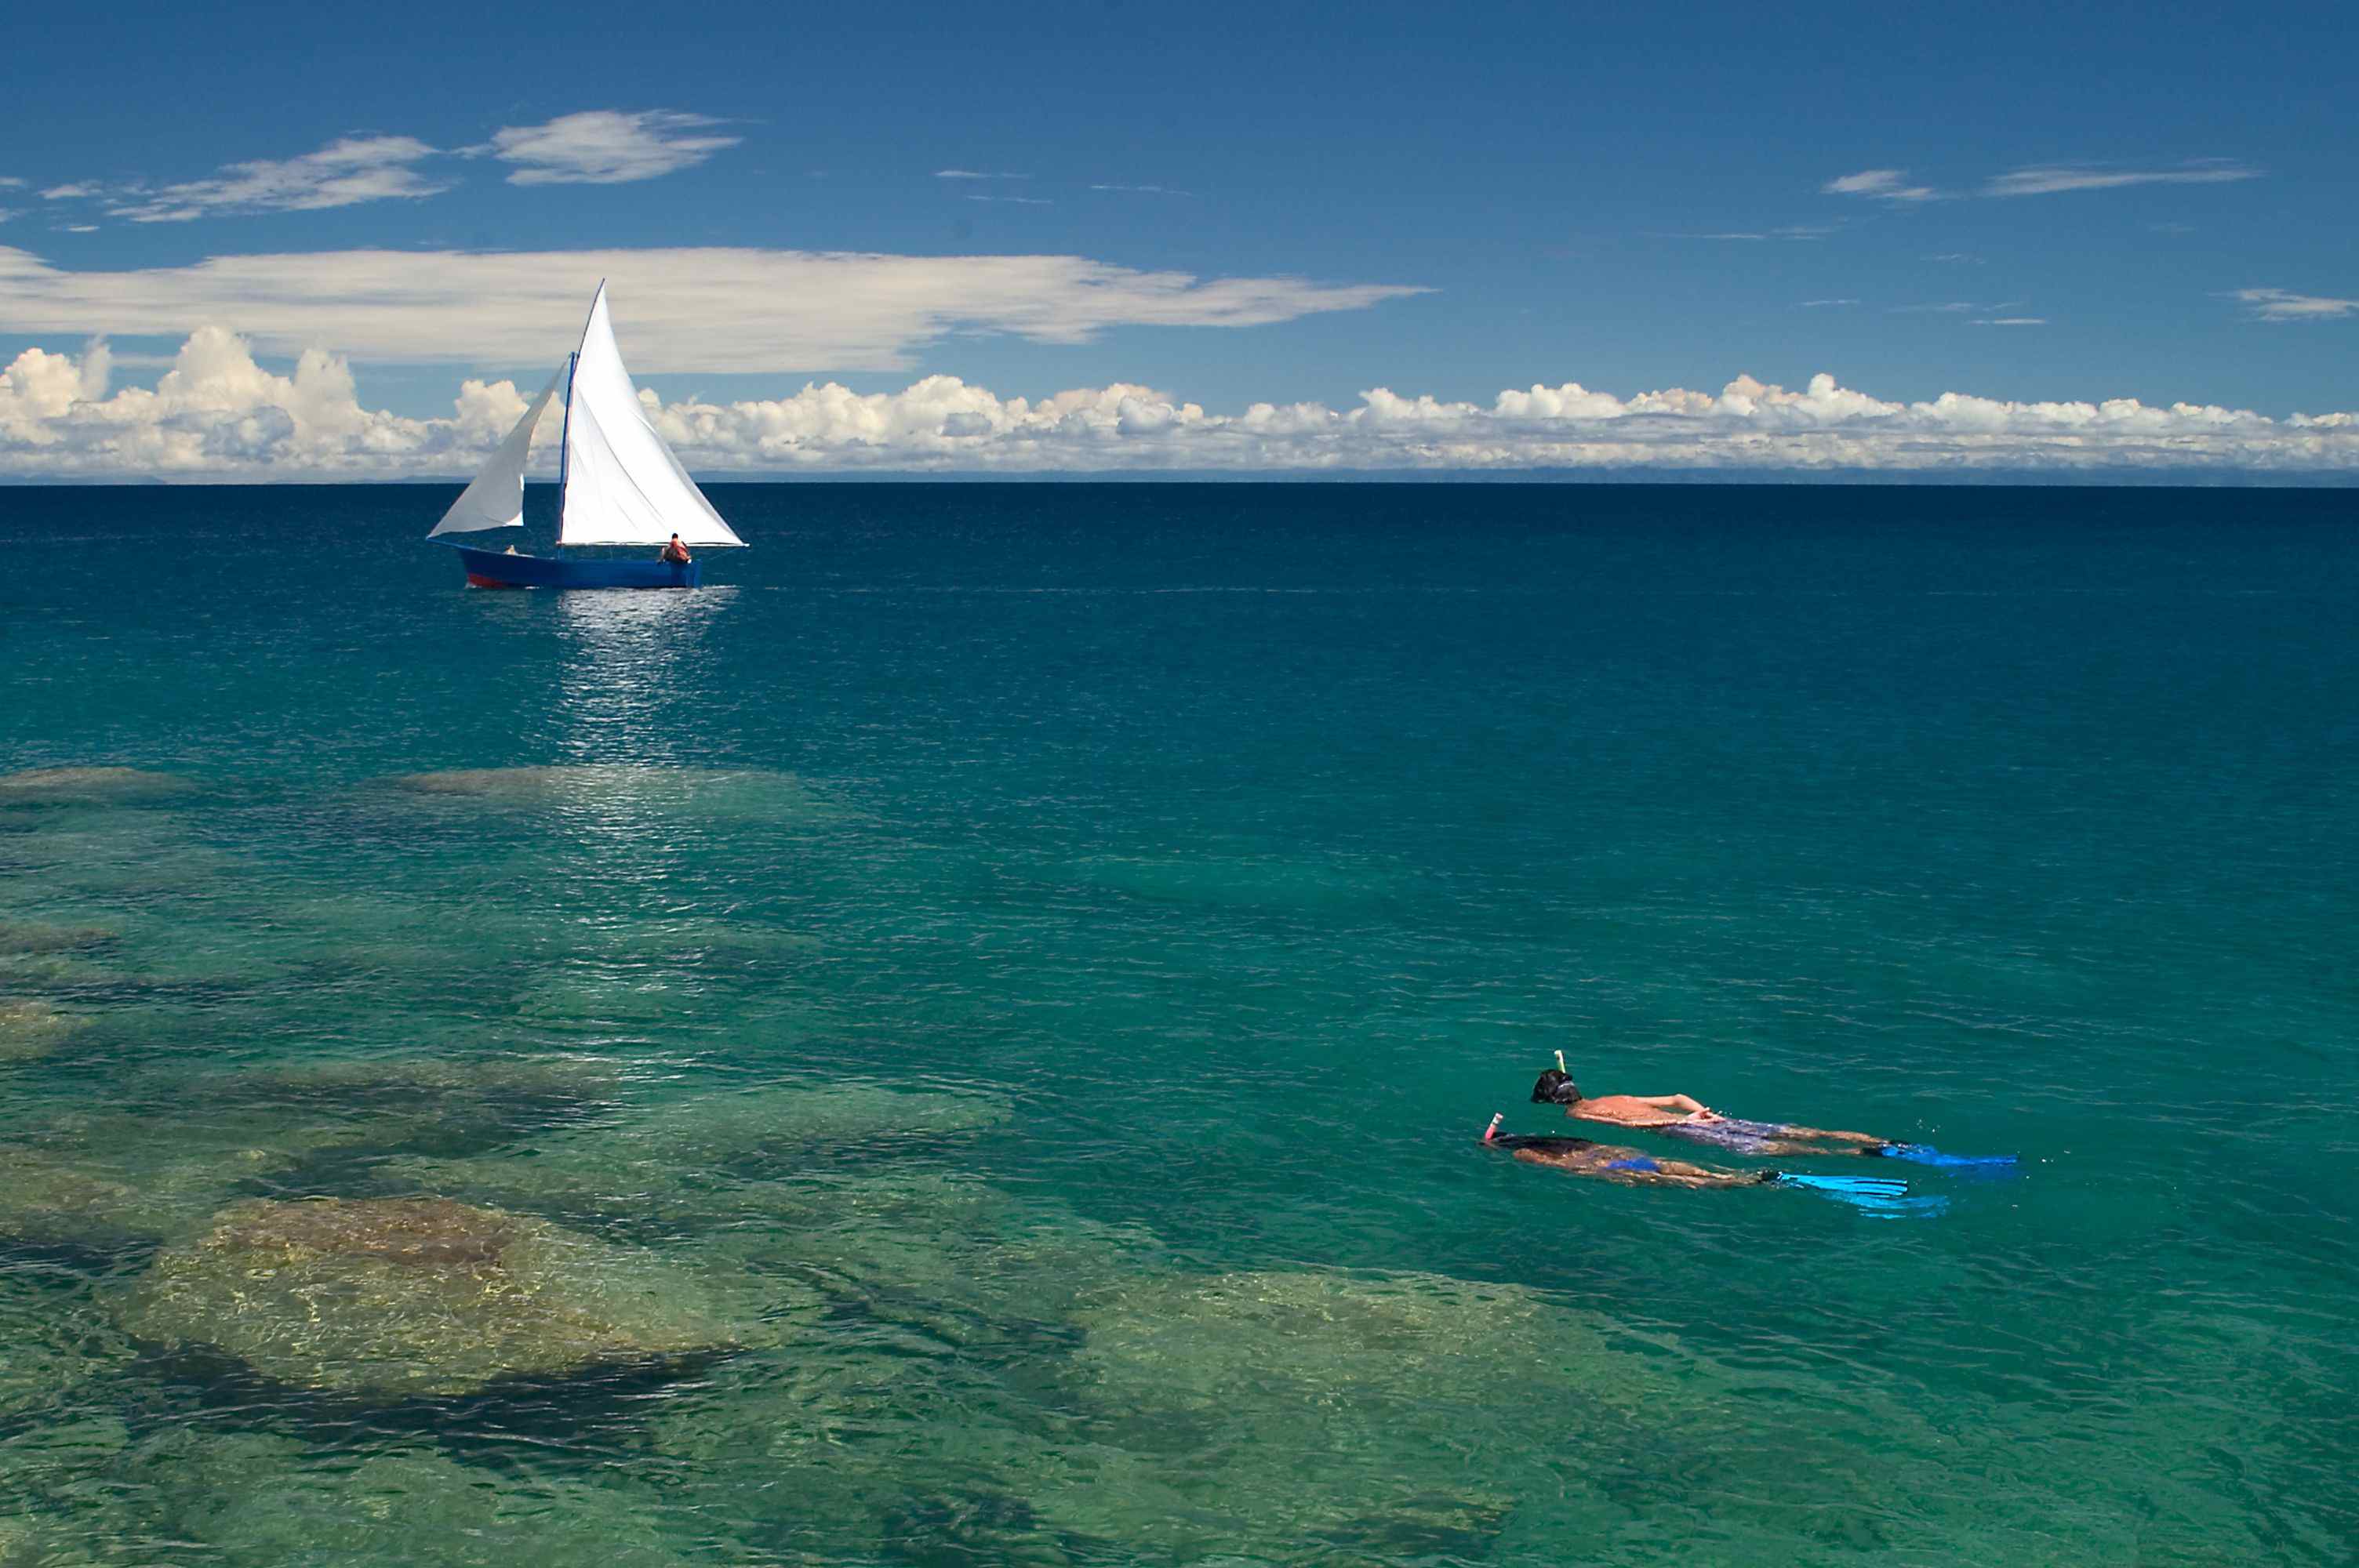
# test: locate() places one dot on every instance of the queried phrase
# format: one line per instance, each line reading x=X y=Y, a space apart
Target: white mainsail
x=496 y=498
x=623 y=486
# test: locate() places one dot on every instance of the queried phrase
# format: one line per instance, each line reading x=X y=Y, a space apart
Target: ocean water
x=964 y=1043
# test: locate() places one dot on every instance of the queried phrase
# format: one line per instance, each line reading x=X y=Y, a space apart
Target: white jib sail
x=623 y=486
x=496 y=499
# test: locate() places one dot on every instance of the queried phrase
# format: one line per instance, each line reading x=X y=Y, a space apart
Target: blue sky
x=2059 y=203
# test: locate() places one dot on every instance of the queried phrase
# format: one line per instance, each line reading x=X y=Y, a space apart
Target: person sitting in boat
x=675 y=553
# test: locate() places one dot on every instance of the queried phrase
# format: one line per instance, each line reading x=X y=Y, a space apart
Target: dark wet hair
x=1555 y=1088
x=1543 y=1143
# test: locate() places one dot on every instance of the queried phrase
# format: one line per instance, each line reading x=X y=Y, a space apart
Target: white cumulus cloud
x=216 y=414
x=606 y=146
x=687 y=310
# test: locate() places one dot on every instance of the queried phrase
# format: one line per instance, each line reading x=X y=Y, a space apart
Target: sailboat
x=617 y=484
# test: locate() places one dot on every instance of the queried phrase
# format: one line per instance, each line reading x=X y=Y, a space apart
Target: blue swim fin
x=1881 y=1197
x=1844 y=1186
x=1926 y=1154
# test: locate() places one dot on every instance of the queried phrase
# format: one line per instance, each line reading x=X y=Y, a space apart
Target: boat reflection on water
x=627 y=657
x=639 y=797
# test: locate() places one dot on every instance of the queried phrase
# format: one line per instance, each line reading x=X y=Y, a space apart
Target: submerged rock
x=31 y=1029
x=20 y=1543
x=1302 y=1415
x=414 y=1296
x=752 y=1163
x=57 y=1348
x=725 y=792
x=451 y=1515
x=39 y=937
x=119 y=1183
x=428 y=1104
x=784 y=1119
x=86 y=786
x=55 y=1202
x=690 y=1145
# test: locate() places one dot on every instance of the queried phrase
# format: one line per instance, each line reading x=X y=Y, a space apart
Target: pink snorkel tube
x=1496 y=1117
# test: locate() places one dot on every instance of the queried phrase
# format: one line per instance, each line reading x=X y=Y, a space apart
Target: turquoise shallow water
x=980 y=1023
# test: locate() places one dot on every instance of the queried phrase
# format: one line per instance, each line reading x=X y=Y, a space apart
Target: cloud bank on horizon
x=219 y=414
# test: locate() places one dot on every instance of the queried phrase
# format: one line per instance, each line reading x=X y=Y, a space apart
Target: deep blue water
x=1049 y=951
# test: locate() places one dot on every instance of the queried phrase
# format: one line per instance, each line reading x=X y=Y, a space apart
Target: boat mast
x=565 y=432
x=563 y=443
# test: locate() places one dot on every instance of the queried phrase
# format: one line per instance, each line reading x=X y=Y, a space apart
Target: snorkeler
x=1586 y=1157
x=1680 y=1115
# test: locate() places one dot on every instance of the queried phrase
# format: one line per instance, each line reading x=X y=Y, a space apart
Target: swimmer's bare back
x=1641 y=1110
x=1686 y=1118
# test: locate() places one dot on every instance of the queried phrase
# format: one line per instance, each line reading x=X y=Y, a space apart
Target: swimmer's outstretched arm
x=1690 y=1107
x=1679 y=1173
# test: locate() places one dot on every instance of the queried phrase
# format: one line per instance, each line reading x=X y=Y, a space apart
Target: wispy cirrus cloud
x=2043 y=179
x=1784 y=232
x=2283 y=305
x=344 y=173
x=723 y=309
x=976 y=174
x=1883 y=184
x=2011 y=321
x=606 y=146
x=1145 y=189
x=600 y=146
x=2046 y=179
x=1825 y=304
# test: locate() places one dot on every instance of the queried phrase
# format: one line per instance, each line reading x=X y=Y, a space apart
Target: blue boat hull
x=487 y=569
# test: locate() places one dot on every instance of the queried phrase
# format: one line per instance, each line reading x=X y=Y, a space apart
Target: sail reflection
x=633 y=676
x=633 y=666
